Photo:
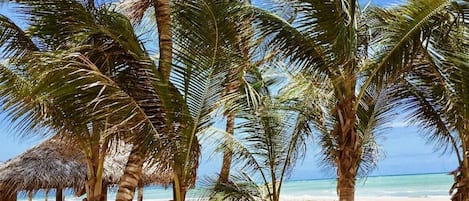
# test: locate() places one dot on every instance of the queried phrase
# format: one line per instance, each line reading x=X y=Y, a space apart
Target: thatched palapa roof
x=58 y=164
x=52 y=164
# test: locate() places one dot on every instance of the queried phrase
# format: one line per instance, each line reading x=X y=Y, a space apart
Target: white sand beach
x=311 y=198
x=308 y=198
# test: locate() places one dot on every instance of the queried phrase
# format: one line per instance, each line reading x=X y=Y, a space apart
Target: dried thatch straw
x=115 y=163
x=49 y=165
x=56 y=163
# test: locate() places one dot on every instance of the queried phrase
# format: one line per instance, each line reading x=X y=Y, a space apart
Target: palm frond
x=136 y=9
x=375 y=114
x=207 y=56
x=242 y=187
x=14 y=41
x=425 y=103
x=25 y=109
x=301 y=47
x=399 y=35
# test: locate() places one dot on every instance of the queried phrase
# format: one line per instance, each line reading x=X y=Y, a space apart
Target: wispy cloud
x=399 y=124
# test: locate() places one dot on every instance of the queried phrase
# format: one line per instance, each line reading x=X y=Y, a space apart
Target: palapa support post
x=59 y=194
x=13 y=196
x=30 y=195
x=104 y=192
x=47 y=194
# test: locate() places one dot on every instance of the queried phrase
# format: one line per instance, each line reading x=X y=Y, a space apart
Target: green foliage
x=270 y=139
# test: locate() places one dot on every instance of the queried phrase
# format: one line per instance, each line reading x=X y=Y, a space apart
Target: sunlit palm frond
x=399 y=33
x=205 y=38
x=425 y=102
x=298 y=45
x=100 y=53
x=242 y=187
x=375 y=114
x=68 y=75
x=14 y=41
x=331 y=24
x=24 y=108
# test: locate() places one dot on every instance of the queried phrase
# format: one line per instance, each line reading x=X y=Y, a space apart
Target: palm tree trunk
x=227 y=152
x=140 y=192
x=132 y=173
x=462 y=176
x=233 y=84
x=163 y=21
x=349 y=148
x=95 y=153
x=179 y=187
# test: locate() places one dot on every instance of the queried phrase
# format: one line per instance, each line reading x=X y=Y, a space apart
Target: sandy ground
x=371 y=199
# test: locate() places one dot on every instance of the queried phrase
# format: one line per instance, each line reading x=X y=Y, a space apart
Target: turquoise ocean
x=421 y=185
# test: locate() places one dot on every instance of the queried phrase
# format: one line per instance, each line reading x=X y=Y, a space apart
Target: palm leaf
x=399 y=35
x=15 y=42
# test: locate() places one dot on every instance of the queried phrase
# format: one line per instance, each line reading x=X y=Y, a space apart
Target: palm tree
x=234 y=85
x=32 y=110
x=77 y=66
x=336 y=40
x=435 y=93
x=163 y=21
x=271 y=139
x=95 y=68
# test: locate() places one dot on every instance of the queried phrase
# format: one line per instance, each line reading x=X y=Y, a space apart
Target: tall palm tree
x=95 y=68
x=162 y=9
x=31 y=109
x=435 y=94
x=271 y=138
x=335 y=40
x=233 y=85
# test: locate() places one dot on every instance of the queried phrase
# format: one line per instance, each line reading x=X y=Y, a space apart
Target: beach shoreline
x=312 y=198
x=368 y=198
x=427 y=187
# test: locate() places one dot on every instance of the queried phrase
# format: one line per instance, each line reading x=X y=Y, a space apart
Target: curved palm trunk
x=140 y=192
x=227 y=153
x=461 y=175
x=163 y=21
x=179 y=187
x=349 y=149
x=233 y=85
x=132 y=173
x=129 y=181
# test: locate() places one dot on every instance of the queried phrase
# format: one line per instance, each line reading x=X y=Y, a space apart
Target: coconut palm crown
x=435 y=93
x=83 y=68
x=354 y=49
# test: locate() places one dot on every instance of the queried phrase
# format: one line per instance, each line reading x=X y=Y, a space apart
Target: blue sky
x=405 y=150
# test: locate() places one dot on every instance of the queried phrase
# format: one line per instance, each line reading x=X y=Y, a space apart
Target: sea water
x=423 y=185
